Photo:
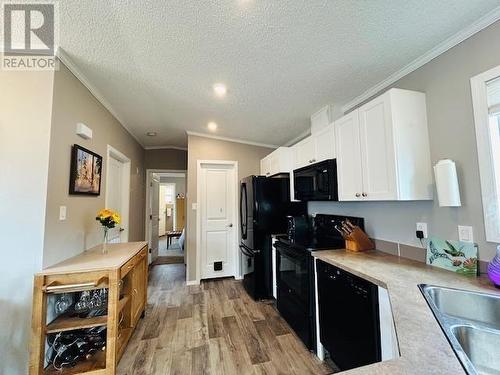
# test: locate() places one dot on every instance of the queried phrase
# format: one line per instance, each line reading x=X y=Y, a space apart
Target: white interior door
x=218 y=218
x=162 y=211
x=154 y=219
x=114 y=197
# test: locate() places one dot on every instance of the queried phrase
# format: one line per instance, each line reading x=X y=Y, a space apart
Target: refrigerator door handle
x=245 y=251
x=243 y=218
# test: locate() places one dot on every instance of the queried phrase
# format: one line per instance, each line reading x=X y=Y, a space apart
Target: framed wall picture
x=86 y=171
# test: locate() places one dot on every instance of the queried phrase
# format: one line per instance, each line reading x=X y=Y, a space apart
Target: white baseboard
x=238 y=277
x=192 y=282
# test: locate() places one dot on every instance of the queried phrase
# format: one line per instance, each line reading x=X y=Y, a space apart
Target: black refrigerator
x=264 y=206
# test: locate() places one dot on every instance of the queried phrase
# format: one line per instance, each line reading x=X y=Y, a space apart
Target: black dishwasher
x=348 y=317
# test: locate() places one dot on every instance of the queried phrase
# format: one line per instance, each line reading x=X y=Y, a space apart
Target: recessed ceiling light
x=212 y=126
x=220 y=89
x=151 y=134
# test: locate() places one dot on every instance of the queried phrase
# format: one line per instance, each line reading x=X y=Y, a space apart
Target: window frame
x=489 y=193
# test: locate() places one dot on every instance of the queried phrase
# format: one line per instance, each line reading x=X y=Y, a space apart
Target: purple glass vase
x=494 y=269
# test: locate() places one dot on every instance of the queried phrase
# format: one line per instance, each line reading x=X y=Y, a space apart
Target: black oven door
x=293 y=294
x=317 y=182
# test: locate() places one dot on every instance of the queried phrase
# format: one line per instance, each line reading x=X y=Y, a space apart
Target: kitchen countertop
x=423 y=346
x=94 y=259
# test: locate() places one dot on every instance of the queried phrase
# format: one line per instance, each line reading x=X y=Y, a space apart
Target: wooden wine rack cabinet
x=123 y=267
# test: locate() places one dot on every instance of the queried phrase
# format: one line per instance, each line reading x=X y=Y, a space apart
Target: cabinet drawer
x=140 y=255
x=68 y=283
x=127 y=267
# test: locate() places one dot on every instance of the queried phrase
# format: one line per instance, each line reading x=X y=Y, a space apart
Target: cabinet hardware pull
x=365 y=195
x=58 y=288
x=358 y=195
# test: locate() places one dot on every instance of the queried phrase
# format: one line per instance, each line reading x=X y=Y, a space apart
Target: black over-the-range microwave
x=317 y=182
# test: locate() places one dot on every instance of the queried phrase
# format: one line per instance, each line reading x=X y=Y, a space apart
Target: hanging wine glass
x=62 y=304
x=84 y=302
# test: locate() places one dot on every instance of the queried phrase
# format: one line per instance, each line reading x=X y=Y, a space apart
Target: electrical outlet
x=422 y=227
x=465 y=233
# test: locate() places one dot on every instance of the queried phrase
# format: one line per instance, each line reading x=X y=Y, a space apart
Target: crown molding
x=441 y=48
x=297 y=139
x=236 y=140
x=66 y=60
x=165 y=148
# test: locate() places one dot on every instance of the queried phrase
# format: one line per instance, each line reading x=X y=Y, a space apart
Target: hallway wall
x=166 y=158
x=25 y=120
x=200 y=148
x=73 y=103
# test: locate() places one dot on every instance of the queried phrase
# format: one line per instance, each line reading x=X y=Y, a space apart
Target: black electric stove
x=295 y=268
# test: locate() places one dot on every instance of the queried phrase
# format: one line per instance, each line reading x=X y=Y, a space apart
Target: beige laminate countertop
x=94 y=259
x=423 y=346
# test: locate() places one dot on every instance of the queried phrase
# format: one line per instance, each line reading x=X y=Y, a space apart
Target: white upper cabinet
x=349 y=171
x=278 y=161
x=324 y=144
x=377 y=150
x=265 y=166
x=383 y=149
x=315 y=148
x=304 y=152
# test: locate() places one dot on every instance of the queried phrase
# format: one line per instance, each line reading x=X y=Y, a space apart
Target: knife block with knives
x=355 y=238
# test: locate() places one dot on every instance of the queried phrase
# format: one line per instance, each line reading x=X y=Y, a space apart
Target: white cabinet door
x=305 y=152
x=275 y=162
x=324 y=144
x=377 y=150
x=349 y=169
x=265 y=166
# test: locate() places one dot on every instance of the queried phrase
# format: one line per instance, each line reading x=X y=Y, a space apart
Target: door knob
x=230 y=225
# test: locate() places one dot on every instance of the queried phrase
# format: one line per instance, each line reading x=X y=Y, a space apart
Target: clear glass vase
x=105 y=241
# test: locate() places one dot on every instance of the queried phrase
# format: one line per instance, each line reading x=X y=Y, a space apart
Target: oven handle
x=284 y=249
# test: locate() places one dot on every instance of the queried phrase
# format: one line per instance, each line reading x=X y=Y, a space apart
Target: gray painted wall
x=446 y=81
x=25 y=121
x=167 y=158
x=73 y=103
x=180 y=183
x=201 y=148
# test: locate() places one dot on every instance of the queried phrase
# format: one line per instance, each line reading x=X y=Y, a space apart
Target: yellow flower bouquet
x=108 y=219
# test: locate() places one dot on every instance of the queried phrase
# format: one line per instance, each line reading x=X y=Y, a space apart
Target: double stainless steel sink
x=471 y=321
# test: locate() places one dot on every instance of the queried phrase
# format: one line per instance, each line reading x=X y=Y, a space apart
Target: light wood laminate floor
x=213 y=328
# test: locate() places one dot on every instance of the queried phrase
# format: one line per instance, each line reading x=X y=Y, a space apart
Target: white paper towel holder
x=448 y=191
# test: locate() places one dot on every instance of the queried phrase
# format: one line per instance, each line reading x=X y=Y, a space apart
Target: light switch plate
x=465 y=233
x=423 y=228
x=62 y=213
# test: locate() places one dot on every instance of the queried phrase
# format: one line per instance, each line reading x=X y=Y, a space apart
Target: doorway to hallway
x=165 y=217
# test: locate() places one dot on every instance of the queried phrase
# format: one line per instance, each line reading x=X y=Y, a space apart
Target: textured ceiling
x=155 y=61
